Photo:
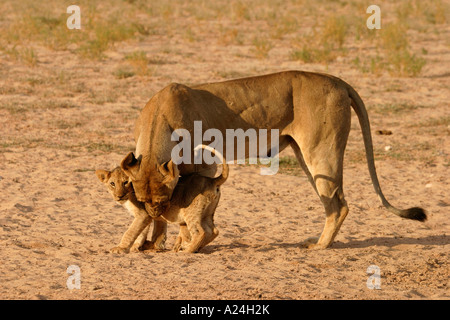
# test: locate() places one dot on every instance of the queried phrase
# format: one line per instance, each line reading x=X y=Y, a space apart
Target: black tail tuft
x=415 y=214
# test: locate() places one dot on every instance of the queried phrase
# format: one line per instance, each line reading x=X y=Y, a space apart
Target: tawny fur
x=135 y=238
x=312 y=112
x=192 y=206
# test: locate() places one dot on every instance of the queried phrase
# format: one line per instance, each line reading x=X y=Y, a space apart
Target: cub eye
x=112 y=184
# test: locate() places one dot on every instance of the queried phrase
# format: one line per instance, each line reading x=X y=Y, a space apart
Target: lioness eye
x=112 y=184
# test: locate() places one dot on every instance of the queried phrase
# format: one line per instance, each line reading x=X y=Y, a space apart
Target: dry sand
x=65 y=117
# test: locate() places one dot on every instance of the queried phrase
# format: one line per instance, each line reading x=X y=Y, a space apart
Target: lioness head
x=117 y=183
x=153 y=185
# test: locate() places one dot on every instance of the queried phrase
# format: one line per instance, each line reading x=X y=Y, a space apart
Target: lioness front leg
x=159 y=235
x=140 y=222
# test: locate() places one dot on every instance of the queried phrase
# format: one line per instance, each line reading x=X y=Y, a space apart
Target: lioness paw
x=312 y=244
x=315 y=246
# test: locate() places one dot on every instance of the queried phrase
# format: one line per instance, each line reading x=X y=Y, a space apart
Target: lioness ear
x=130 y=165
x=170 y=172
x=102 y=175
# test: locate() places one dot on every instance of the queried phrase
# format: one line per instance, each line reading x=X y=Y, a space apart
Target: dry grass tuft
x=323 y=45
x=261 y=48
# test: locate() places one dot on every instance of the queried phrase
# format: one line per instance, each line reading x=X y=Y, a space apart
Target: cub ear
x=102 y=175
x=170 y=172
x=130 y=165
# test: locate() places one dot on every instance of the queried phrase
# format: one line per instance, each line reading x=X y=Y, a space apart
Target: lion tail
x=414 y=213
x=225 y=170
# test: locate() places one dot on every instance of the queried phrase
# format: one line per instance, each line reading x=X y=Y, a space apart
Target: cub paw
x=176 y=247
x=148 y=245
x=135 y=248
x=119 y=250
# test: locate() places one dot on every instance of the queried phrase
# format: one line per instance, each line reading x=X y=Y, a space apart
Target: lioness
x=311 y=111
x=192 y=206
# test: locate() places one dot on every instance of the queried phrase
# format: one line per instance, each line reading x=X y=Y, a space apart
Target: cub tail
x=225 y=170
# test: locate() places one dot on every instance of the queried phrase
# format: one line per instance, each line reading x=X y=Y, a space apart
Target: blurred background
x=126 y=50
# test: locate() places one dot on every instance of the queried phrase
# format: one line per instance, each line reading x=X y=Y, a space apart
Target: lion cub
x=192 y=206
x=135 y=238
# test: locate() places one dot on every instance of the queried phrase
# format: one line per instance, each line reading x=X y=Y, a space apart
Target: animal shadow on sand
x=393 y=241
x=366 y=243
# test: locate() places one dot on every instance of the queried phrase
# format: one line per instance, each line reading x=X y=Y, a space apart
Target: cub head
x=153 y=183
x=117 y=183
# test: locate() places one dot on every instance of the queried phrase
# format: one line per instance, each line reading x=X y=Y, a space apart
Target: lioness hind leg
x=336 y=210
x=325 y=174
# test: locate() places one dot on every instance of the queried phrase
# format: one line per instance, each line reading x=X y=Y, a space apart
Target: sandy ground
x=65 y=117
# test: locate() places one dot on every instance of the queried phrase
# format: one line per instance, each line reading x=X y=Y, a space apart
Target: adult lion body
x=311 y=111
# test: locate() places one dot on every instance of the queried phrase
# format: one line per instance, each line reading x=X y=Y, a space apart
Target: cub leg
x=141 y=239
x=208 y=224
x=210 y=235
x=183 y=239
x=193 y=218
x=140 y=222
x=198 y=236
